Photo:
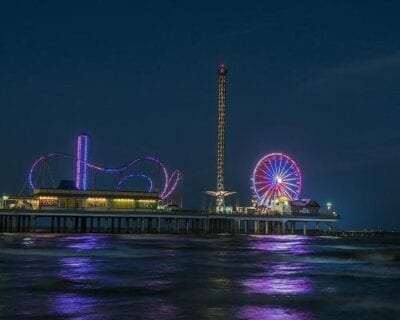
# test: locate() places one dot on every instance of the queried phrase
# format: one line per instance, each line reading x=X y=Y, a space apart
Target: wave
x=360 y=255
x=56 y=252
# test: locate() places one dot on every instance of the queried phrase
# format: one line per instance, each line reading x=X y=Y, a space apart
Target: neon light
x=82 y=164
x=85 y=160
x=78 y=163
x=39 y=160
x=170 y=182
x=81 y=182
x=135 y=175
x=176 y=176
x=276 y=175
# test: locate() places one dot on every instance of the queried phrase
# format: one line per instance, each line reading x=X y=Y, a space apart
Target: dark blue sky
x=318 y=80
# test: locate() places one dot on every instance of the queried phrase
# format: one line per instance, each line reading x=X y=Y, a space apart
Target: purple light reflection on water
x=286 y=269
x=281 y=277
x=79 y=270
x=73 y=305
x=294 y=245
x=278 y=286
x=271 y=313
x=84 y=243
x=81 y=307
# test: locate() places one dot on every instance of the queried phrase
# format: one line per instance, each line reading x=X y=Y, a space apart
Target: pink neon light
x=276 y=175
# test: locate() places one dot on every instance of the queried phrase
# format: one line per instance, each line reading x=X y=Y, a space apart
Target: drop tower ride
x=220 y=193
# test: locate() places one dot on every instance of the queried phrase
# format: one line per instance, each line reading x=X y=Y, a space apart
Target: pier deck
x=189 y=222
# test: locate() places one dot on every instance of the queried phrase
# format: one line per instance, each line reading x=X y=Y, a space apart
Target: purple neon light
x=135 y=175
x=81 y=162
x=78 y=163
x=85 y=160
x=170 y=182
x=276 y=175
x=133 y=162
x=39 y=160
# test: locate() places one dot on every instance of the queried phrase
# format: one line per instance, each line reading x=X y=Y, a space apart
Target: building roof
x=94 y=193
x=304 y=203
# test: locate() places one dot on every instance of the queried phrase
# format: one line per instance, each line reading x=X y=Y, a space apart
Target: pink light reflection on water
x=271 y=313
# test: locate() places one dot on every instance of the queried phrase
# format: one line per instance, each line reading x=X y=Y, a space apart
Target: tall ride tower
x=220 y=193
x=81 y=168
x=222 y=73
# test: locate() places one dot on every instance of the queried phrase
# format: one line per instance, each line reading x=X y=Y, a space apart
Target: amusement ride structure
x=274 y=176
x=82 y=166
x=220 y=193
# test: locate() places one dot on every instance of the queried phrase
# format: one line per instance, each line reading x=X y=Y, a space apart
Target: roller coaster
x=169 y=181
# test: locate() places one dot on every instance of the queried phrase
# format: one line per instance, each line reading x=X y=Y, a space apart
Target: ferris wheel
x=276 y=175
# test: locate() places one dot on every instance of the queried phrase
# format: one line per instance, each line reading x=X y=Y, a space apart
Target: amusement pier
x=83 y=205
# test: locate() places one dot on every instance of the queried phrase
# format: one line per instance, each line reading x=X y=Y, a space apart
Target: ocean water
x=88 y=277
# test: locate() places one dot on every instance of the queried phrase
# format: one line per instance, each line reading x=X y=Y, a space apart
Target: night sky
x=318 y=80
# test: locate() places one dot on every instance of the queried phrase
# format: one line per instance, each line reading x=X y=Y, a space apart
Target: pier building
x=83 y=200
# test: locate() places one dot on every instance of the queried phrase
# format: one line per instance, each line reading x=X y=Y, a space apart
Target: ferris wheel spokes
x=276 y=175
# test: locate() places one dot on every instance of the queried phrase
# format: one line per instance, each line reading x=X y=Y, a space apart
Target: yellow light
x=48 y=198
x=97 y=199
x=124 y=200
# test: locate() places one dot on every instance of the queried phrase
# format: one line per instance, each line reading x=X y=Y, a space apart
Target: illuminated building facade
x=85 y=200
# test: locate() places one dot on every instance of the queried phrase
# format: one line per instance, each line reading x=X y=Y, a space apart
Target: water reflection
x=294 y=245
x=67 y=277
x=78 y=270
x=273 y=286
x=84 y=243
x=286 y=268
x=280 y=276
x=271 y=313
x=74 y=306
x=28 y=242
x=158 y=309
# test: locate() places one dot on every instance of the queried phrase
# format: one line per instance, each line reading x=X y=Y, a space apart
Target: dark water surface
x=86 y=277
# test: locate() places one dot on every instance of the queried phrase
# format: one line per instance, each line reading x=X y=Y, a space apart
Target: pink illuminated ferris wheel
x=276 y=175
